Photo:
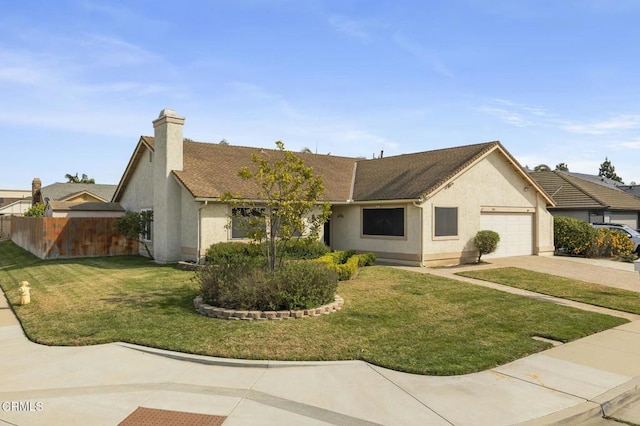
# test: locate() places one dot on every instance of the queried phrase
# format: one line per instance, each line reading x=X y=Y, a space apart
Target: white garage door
x=515 y=230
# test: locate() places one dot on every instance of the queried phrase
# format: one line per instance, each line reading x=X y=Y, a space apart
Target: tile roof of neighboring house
x=63 y=191
x=601 y=180
x=85 y=206
x=571 y=192
x=631 y=189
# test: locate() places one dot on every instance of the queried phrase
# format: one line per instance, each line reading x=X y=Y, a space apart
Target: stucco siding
x=576 y=214
x=492 y=185
x=621 y=217
x=188 y=225
x=213 y=220
x=543 y=229
x=625 y=218
x=138 y=194
x=346 y=233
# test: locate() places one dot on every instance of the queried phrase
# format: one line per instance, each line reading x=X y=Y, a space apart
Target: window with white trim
x=243 y=219
x=387 y=222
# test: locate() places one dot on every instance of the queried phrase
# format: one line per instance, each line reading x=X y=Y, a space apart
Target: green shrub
x=611 y=243
x=235 y=286
x=296 y=285
x=346 y=263
x=37 y=210
x=347 y=269
x=234 y=252
x=572 y=235
x=304 y=284
x=366 y=259
x=251 y=253
x=298 y=248
x=486 y=242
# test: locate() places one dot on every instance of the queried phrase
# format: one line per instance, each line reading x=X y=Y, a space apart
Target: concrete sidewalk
x=104 y=384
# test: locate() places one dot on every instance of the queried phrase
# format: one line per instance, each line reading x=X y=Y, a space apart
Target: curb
x=602 y=406
x=230 y=362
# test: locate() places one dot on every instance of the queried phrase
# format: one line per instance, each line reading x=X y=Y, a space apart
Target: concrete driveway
x=113 y=383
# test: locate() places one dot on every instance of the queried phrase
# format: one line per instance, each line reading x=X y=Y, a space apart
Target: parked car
x=631 y=233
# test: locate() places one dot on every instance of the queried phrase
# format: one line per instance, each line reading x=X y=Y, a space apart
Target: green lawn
x=398 y=319
x=579 y=291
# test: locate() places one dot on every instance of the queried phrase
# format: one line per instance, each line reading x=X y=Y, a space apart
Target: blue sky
x=554 y=81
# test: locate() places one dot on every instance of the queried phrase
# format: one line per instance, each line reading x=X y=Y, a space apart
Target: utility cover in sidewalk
x=152 y=417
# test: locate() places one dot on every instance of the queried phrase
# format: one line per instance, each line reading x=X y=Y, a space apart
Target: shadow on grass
x=13 y=257
x=170 y=298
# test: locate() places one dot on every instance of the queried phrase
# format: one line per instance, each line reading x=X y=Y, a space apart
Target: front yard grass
x=398 y=319
x=579 y=291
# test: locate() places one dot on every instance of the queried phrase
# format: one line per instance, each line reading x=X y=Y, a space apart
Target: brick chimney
x=168 y=147
x=36 y=196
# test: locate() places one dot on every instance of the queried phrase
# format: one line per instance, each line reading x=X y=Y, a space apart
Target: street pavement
x=574 y=383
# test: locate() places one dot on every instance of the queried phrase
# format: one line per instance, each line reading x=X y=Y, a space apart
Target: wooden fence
x=66 y=237
x=5 y=227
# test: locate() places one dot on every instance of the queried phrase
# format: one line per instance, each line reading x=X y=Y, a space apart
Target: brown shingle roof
x=411 y=176
x=571 y=192
x=210 y=170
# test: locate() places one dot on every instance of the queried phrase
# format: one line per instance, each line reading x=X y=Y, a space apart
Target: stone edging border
x=230 y=314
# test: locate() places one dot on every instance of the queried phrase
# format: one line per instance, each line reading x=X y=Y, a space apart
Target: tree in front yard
x=486 y=242
x=289 y=193
x=134 y=225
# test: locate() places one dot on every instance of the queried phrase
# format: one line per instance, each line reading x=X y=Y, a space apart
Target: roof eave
x=129 y=169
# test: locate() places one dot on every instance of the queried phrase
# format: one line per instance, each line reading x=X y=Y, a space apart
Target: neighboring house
x=17 y=207
x=631 y=189
x=73 y=192
x=76 y=199
x=419 y=209
x=83 y=209
x=589 y=198
x=13 y=201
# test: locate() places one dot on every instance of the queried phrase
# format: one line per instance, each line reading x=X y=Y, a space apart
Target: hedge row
x=300 y=284
x=577 y=237
x=235 y=252
x=346 y=263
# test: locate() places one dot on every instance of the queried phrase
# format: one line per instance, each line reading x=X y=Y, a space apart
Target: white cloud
x=511 y=117
x=79 y=83
x=423 y=55
x=364 y=137
x=622 y=122
x=630 y=144
x=19 y=75
x=349 y=27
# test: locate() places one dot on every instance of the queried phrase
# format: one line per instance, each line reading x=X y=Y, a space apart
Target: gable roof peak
x=413 y=176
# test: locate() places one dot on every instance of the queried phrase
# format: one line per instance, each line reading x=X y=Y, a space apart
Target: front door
x=327 y=233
